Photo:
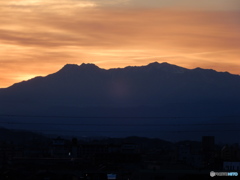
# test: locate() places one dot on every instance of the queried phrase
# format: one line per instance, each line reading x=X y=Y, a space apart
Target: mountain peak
x=159 y=65
x=166 y=67
x=154 y=64
x=83 y=67
x=69 y=67
x=88 y=66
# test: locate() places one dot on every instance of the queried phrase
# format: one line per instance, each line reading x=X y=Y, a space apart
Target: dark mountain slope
x=152 y=84
x=155 y=90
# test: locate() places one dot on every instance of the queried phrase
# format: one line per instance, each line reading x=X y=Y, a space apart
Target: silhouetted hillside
x=152 y=84
x=19 y=136
x=156 y=100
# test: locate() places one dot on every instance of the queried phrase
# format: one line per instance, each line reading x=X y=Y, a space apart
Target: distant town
x=131 y=158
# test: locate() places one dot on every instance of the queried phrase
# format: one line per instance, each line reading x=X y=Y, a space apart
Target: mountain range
x=120 y=101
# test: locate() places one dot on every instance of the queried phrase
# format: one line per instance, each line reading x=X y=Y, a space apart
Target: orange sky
x=38 y=37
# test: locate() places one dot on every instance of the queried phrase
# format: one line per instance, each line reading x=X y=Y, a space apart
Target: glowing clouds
x=39 y=37
x=39 y=3
x=24 y=2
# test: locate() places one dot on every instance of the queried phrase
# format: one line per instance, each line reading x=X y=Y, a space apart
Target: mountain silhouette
x=154 y=90
x=153 y=84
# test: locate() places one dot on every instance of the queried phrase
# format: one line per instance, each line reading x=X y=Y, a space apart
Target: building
x=231 y=166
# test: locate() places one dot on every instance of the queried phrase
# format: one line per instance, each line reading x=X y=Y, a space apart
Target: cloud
x=44 y=3
x=45 y=35
x=190 y=4
x=110 y=28
x=226 y=5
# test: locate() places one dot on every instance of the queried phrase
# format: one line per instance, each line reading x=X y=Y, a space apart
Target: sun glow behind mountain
x=39 y=37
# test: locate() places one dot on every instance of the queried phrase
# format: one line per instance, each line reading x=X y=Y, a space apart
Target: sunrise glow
x=39 y=37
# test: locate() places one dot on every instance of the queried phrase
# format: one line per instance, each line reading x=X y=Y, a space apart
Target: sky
x=38 y=37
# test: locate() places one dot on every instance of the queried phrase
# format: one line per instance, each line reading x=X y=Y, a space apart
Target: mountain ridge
x=90 y=67
x=154 y=90
x=153 y=80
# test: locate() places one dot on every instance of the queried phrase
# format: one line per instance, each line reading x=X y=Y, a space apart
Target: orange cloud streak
x=38 y=40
